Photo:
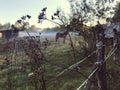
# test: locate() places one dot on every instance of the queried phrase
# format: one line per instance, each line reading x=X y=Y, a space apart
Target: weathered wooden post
x=115 y=45
x=100 y=44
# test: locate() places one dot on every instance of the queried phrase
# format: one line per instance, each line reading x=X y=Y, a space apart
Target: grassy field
x=19 y=76
x=58 y=57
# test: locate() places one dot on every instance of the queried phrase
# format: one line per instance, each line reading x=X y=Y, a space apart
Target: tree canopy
x=90 y=11
x=116 y=17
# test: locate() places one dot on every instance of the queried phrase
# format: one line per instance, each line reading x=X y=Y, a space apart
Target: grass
x=58 y=57
x=62 y=57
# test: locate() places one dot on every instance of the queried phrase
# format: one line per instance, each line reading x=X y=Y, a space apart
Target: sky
x=12 y=10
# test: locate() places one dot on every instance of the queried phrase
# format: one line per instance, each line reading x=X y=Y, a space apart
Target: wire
x=109 y=54
x=87 y=79
x=76 y=64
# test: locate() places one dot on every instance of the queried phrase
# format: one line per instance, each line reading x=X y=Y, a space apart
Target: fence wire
x=95 y=70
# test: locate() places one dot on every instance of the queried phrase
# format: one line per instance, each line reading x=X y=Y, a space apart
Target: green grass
x=58 y=57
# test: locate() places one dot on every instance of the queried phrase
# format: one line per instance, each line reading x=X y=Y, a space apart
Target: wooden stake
x=101 y=73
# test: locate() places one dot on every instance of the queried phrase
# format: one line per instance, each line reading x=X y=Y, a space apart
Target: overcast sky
x=12 y=10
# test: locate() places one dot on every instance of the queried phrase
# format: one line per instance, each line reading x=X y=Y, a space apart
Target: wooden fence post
x=100 y=44
x=115 y=45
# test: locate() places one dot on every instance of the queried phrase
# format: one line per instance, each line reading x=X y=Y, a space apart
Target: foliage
x=23 y=23
x=116 y=17
x=91 y=10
